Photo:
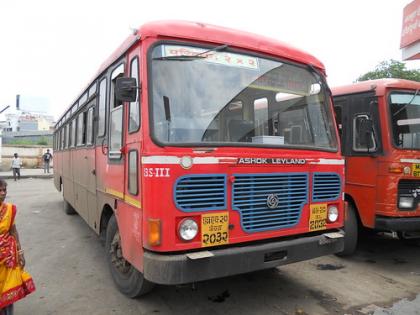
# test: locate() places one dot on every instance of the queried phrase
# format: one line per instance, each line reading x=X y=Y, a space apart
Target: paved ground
x=67 y=262
x=28 y=173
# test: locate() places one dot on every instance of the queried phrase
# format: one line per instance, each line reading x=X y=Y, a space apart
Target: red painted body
x=370 y=185
x=159 y=166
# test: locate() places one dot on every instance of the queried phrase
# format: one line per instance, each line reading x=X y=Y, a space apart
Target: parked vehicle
x=379 y=126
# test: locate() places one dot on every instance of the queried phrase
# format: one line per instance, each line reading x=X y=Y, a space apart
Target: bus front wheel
x=351 y=232
x=128 y=279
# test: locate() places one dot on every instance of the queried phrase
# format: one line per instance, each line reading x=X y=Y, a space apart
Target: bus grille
x=200 y=192
x=269 y=201
x=326 y=187
x=409 y=188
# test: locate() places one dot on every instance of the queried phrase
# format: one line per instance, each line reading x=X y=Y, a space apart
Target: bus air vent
x=269 y=201
x=200 y=192
x=326 y=187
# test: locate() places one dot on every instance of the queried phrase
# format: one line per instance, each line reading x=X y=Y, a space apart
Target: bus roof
x=215 y=35
x=210 y=34
x=379 y=85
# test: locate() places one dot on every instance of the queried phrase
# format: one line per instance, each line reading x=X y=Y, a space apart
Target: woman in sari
x=15 y=283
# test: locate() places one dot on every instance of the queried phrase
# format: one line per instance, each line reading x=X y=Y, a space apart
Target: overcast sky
x=51 y=49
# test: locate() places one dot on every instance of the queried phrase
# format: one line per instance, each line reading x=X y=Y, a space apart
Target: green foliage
x=21 y=142
x=391 y=69
x=42 y=141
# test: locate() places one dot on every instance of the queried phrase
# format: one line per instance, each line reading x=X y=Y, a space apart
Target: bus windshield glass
x=405 y=119
x=213 y=97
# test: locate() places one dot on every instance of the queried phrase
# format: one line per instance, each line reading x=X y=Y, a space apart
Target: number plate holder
x=214 y=229
x=318 y=217
x=415 y=169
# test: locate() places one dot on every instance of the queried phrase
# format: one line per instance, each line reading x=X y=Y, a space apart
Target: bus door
x=114 y=170
x=90 y=164
x=80 y=167
x=109 y=160
x=130 y=212
x=359 y=127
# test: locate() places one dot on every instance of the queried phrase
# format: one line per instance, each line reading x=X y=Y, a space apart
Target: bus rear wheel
x=351 y=230
x=68 y=209
x=128 y=279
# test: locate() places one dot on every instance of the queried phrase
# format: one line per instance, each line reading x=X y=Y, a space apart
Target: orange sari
x=15 y=283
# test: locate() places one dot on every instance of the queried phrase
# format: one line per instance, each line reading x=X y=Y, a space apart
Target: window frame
x=102 y=95
x=129 y=187
x=137 y=101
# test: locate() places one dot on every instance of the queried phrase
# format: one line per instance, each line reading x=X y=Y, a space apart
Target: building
x=410 y=33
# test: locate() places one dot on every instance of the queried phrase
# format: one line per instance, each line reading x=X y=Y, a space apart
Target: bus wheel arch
x=127 y=278
x=106 y=215
x=351 y=228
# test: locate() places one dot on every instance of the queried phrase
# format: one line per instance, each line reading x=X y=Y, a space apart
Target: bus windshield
x=405 y=119
x=212 y=97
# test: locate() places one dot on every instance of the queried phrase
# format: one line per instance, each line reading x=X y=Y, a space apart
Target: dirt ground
x=67 y=262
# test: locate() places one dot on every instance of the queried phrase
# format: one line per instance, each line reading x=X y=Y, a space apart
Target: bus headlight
x=406 y=203
x=332 y=213
x=187 y=229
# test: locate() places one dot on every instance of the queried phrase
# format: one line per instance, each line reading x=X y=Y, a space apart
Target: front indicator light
x=187 y=229
x=406 y=203
x=154 y=232
x=332 y=214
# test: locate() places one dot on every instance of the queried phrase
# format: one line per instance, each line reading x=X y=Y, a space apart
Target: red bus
x=199 y=152
x=379 y=124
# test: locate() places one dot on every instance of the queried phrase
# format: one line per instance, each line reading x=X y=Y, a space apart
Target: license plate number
x=214 y=229
x=318 y=217
x=415 y=169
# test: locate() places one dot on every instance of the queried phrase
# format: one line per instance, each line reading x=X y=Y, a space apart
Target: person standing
x=15 y=282
x=16 y=164
x=47 y=157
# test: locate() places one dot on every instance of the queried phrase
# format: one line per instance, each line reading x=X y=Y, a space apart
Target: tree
x=391 y=69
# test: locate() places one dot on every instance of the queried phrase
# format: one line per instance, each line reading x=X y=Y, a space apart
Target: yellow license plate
x=415 y=169
x=214 y=229
x=318 y=217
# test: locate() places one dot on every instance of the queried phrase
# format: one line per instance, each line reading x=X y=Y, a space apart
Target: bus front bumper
x=398 y=224
x=209 y=264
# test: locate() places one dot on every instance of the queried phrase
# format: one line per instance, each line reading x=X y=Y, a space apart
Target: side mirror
x=366 y=126
x=126 y=89
x=366 y=133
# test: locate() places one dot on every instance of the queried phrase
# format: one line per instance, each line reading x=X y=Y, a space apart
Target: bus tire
x=68 y=209
x=126 y=277
x=351 y=230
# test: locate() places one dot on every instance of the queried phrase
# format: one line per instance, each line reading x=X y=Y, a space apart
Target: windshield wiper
x=405 y=105
x=201 y=55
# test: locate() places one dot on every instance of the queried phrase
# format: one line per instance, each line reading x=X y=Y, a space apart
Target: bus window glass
x=83 y=99
x=89 y=127
x=132 y=172
x=405 y=119
x=73 y=133
x=115 y=133
x=193 y=101
x=134 y=110
x=92 y=90
x=117 y=73
x=81 y=129
x=102 y=108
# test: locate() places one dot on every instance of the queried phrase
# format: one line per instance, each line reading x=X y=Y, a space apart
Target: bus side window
x=81 y=129
x=134 y=107
x=102 y=108
x=89 y=126
x=133 y=172
x=73 y=132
